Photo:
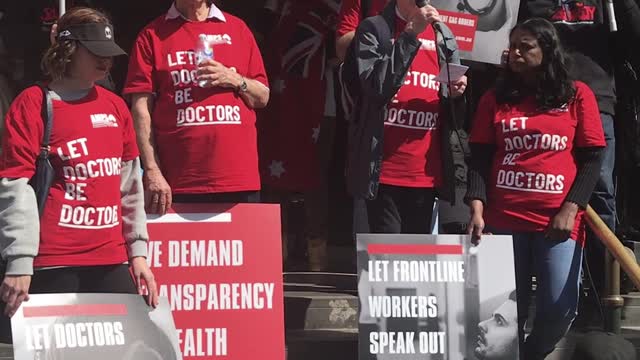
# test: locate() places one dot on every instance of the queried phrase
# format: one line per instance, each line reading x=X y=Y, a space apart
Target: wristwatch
x=242 y=87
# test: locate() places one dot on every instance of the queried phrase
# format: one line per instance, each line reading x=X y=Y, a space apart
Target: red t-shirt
x=205 y=137
x=411 y=155
x=91 y=137
x=534 y=166
x=350 y=16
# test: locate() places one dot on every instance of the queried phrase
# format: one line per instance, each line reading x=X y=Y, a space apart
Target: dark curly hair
x=554 y=87
x=56 y=59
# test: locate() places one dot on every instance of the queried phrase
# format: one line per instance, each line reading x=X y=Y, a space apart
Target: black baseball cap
x=96 y=37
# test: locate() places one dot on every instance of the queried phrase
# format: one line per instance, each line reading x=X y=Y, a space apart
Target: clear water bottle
x=204 y=51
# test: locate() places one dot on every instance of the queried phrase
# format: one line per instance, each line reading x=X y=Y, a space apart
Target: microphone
x=421 y=3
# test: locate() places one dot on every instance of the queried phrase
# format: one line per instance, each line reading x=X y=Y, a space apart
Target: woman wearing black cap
x=93 y=220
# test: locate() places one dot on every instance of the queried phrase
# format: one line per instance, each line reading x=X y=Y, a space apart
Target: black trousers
x=85 y=279
x=230 y=197
x=401 y=210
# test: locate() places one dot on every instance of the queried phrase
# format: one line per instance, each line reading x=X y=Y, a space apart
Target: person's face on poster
x=492 y=14
x=498 y=338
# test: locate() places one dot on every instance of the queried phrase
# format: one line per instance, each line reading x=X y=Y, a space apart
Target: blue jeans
x=557 y=267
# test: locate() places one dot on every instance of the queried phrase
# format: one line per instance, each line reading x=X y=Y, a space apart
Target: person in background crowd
x=584 y=32
x=351 y=14
x=93 y=220
x=295 y=129
x=399 y=181
x=498 y=339
x=536 y=151
x=196 y=122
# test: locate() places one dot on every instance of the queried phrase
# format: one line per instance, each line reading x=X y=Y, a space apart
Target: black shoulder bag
x=43 y=177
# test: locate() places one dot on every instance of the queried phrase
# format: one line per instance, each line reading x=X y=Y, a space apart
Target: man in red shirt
x=195 y=121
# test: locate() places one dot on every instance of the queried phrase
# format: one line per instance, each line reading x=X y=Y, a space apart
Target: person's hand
x=476 y=223
x=158 y=199
x=145 y=281
x=14 y=291
x=422 y=18
x=215 y=74
x=458 y=87
x=561 y=225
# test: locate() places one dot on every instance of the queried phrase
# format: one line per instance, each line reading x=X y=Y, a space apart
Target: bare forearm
x=342 y=44
x=141 y=111
x=257 y=94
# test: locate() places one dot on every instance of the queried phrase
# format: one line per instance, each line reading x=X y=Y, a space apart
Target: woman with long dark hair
x=536 y=142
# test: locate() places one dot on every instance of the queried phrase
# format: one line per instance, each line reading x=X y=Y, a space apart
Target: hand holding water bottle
x=212 y=73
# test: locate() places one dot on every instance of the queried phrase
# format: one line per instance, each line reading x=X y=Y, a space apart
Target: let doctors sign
x=221 y=268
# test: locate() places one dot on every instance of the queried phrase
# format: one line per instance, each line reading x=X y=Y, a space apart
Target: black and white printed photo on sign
x=496 y=18
x=436 y=297
x=94 y=326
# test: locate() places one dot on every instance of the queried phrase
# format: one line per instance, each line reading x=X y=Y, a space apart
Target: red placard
x=463 y=27
x=220 y=265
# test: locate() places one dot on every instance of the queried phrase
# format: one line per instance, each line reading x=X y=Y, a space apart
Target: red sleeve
x=139 y=75
x=589 y=131
x=22 y=135
x=130 y=145
x=256 y=65
x=482 y=129
x=349 y=17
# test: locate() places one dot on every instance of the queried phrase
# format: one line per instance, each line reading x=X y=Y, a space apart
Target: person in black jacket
x=584 y=32
x=395 y=60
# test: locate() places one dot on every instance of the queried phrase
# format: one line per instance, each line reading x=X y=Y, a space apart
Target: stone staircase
x=321 y=318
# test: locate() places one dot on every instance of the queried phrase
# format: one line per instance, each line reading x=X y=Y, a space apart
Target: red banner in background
x=463 y=27
x=220 y=265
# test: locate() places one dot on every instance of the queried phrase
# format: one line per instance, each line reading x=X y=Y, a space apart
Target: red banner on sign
x=463 y=27
x=221 y=268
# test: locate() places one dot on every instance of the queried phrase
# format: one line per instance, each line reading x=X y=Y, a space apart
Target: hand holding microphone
x=425 y=15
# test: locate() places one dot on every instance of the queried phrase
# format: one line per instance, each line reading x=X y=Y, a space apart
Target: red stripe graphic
x=75 y=310
x=414 y=249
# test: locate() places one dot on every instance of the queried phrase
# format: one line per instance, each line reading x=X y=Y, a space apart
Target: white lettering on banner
x=203 y=342
x=223 y=296
x=74 y=335
x=403 y=306
x=203 y=253
x=411 y=119
x=80 y=217
x=154 y=253
x=530 y=182
x=428 y=271
x=423 y=80
x=389 y=342
x=93 y=169
x=209 y=115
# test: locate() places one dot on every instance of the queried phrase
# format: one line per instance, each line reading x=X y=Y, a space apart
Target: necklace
x=463 y=5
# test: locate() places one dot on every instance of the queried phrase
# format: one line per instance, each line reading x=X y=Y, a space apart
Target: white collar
x=214 y=13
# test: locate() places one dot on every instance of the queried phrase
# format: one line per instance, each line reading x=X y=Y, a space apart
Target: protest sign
x=93 y=326
x=220 y=265
x=494 y=20
x=436 y=296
